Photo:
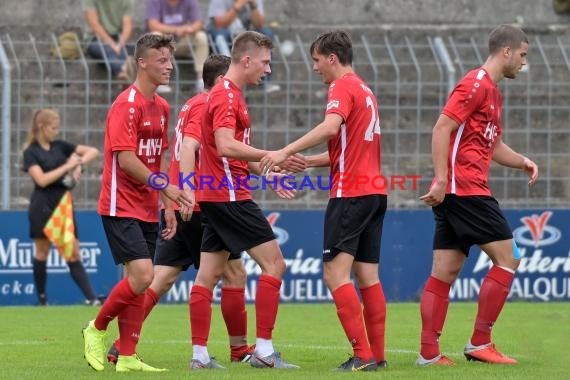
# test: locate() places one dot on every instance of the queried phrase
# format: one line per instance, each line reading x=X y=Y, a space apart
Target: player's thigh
x=502 y=253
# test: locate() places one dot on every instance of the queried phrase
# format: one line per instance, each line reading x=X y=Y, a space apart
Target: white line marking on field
x=187 y=342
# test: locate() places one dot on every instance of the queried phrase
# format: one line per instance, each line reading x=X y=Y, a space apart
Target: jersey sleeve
x=68 y=148
x=464 y=100
x=123 y=125
x=339 y=100
x=193 y=125
x=30 y=159
x=223 y=108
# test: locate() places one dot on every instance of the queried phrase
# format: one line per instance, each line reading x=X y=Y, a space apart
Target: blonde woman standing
x=55 y=167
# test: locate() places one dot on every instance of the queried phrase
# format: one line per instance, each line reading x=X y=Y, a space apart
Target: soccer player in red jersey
x=136 y=138
x=355 y=212
x=232 y=221
x=175 y=255
x=466 y=137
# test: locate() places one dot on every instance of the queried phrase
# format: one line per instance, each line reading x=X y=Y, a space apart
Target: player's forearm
x=440 y=153
x=239 y=151
x=318 y=160
x=130 y=164
x=318 y=135
x=505 y=156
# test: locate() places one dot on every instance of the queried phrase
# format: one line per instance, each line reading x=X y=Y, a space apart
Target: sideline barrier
x=543 y=237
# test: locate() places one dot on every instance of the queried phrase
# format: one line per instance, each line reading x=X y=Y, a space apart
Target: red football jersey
x=136 y=124
x=355 y=153
x=189 y=124
x=476 y=105
x=222 y=178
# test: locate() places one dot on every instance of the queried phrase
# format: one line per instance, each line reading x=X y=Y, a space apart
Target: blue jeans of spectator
x=99 y=50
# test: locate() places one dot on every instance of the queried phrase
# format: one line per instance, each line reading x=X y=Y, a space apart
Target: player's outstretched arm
x=326 y=130
x=318 y=160
x=505 y=156
x=228 y=146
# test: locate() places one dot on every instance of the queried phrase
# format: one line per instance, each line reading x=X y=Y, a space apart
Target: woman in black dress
x=55 y=166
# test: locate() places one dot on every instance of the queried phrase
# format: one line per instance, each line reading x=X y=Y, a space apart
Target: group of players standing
x=209 y=228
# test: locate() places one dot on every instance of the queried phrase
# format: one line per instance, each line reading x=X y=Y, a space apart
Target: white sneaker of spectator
x=164 y=89
x=199 y=86
x=271 y=87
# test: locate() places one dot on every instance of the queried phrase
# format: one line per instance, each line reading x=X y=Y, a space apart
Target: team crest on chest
x=162 y=122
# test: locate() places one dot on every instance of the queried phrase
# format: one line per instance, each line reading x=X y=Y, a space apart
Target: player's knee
x=280 y=267
x=234 y=277
x=276 y=268
x=143 y=280
x=331 y=278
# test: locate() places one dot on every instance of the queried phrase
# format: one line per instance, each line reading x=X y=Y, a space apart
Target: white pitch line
x=403 y=351
x=295 y=345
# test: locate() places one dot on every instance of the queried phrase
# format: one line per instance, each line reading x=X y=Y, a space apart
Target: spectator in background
x=110 y=28
x=181 y=18
x=228 y=18
x=55 y=166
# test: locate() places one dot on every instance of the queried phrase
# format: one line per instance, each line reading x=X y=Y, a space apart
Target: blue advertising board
x=543 y=237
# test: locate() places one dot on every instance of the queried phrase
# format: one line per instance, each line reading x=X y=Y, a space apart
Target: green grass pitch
x=46 y=343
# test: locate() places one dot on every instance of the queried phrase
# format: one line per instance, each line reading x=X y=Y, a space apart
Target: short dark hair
x=246 y=40
x=153 y=40
x=337 y=42
x=506 y=36
x=214 y=66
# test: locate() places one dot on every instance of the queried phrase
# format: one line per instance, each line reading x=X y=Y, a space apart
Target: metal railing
x=410 y=75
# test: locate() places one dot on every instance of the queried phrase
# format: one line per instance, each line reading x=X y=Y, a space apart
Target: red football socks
x=433 y=305
x=200 y=304
x=120 y=297
x=150 y=300
x=235 y=315
x=492 y=298
x=130 y=322
x=349 y=311
x=266 y=305
x=375 y=318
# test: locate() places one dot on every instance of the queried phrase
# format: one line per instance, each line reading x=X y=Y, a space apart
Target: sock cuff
x=270 y=280
x=236 y=291
x=438 y=287
x=153 y=296
x=205 y=292
x=125 y=284
x=500 y=275
x=370 y=288
x=343 y=291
